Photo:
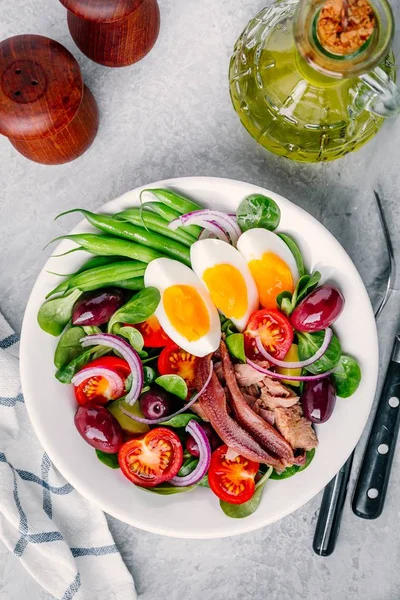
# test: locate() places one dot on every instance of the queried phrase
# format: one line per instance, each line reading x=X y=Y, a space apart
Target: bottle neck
x=333 y=62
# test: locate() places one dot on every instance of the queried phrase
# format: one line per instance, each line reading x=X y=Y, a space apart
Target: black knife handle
x=370 y=492
x=330 y=514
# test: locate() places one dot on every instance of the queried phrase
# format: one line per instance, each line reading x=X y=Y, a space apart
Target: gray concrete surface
x=171 y=116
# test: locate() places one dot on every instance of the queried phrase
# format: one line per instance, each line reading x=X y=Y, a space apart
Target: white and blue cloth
x=60 y=538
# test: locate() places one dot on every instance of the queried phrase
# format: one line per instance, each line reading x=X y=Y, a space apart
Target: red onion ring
x=206 y=234
x=212 y=226
x=274 y=375
x=211 y=219
x=299 y=364
x=110 y=340
x=115 y=381
x=201 y=439
x=178 y=412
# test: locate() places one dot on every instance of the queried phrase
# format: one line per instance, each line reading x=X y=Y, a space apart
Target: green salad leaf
x=140 y=308
x=181 y=420
x=287 y=302
x=258 y=211
x=227 y=327
x=284 y=301
x=235 y=345
x=309 y=458
x=67 y=371
x=132 y=334
x=204 y=482
x=347 y=376
x=295 y=250
x=240 y=511
x=290 y=471
x=91 y=329
x=188 y=466
x=111 y=460
x=149 y=375
x=305 y=286
x=54 y=314
x=174 y=384
x=166 y=489
x=310 y=343
x=69 y=346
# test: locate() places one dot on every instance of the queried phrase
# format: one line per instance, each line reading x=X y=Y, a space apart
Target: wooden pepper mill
x=46 y=111
x=114 y=33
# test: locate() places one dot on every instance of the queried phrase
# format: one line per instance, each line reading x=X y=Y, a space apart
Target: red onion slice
x=116 y=343
x=299 y=364
x=115 y=381
x=206 y=235
x=274 y=375
x=201 y=439
x=178 y=412
x=212 y=220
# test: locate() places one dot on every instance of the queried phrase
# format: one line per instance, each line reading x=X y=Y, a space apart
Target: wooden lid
x=41 y=87
x=102 y=11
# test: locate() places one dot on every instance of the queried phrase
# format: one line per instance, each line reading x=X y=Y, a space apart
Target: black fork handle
x=330 y=514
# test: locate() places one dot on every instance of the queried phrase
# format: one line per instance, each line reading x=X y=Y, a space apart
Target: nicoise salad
x=199 y=347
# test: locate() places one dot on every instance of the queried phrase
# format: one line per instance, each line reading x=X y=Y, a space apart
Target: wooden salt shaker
x=46 y=111
x=114 y=33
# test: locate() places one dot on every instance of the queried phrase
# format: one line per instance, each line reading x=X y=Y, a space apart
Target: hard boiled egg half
x=271 y=264
x=186 y=311
x=228 y=279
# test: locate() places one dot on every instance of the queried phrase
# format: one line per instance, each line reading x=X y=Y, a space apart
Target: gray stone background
x=171 y=116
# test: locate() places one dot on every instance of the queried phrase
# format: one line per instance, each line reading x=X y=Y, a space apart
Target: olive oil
x=288 y=106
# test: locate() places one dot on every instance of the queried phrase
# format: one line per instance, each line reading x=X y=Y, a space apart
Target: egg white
x=208 y=253
x=162 y=273
x=255 y=242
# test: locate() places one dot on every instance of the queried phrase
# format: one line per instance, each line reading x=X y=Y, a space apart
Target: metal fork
x=330 y=514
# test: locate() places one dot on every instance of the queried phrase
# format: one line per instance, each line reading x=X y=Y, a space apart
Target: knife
x=370 y=492
x=330 y=514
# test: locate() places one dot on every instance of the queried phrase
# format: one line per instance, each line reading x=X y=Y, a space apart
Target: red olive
x=318 y=399
x=156 y=403
x=318 y=310
x=99 y=428
x=96 y=308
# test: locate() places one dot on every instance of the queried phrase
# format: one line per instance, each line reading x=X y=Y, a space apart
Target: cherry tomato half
x=153 y=458
x=96 y=389
x=175 y=361
x=153 y=334
x=232 y=480
x=275 y=331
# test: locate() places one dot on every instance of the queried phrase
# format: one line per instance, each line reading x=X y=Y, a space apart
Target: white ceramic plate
x=51 y=405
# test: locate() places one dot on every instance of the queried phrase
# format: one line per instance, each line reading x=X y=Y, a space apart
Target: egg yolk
x=272 y=276
x=228 y=290
x=186 y=311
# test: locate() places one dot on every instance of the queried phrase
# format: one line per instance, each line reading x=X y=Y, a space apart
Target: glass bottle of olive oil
x=304 y=91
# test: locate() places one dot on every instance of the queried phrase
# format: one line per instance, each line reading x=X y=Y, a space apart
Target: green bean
x=165 y=211
x=99 y=277
x=155 y=223
x=136 y=283
x=92 y=263
x=179 y=203
x=139 y=235
x=169 y=214
x=106 y=245
x=101 y=261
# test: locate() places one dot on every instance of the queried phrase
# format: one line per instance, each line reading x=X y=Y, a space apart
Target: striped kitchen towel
x=60 y=538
